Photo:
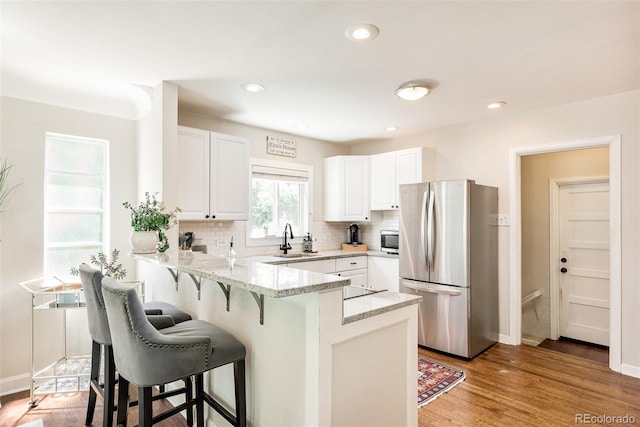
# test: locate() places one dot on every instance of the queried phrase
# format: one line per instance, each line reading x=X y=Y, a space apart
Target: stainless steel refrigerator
x=449 y=256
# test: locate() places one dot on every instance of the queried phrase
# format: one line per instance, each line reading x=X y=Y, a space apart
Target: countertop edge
x=394 y=304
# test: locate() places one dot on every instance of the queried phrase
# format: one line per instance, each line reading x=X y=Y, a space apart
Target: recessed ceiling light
x=302 y=125
x=362 y=32
x=252 y=87
x=496 y=105
x=413 y=90
x=392 y=128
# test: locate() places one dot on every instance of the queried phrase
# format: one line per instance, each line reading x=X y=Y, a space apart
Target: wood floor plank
x=527 y=386
x=505 y=386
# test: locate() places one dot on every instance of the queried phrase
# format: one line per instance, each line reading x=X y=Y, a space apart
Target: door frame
x=554 y=274
x=515 y=238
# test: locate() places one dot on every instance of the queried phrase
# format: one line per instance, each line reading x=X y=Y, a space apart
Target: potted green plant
x=149 y=220
x=108 y=267
x=5 y=189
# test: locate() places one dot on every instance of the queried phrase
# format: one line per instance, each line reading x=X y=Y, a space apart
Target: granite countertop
x=253 y=274
x=359 y=308
x=267 y=276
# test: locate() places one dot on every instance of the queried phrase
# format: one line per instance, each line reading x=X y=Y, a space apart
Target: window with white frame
x=280 y=194
x=76 y=201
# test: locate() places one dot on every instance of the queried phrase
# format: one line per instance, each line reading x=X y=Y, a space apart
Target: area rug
x=435 y=379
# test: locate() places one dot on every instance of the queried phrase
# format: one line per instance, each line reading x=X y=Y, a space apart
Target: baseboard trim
x=633 y=371
x=505 y=339
x=15 y=384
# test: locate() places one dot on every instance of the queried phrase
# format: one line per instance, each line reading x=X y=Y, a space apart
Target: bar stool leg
x=145 y=413
x=188 y=384
x=200 y=400
x=241 y=397
x=123 y=401
x=109 y=385
x=96 y=352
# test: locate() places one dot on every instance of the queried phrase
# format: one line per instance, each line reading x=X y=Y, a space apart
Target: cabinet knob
x=563 y=270
x=213 y=216
x=206 y=216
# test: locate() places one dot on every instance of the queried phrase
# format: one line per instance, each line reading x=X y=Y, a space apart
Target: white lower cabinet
x=385 y=272
x=358 y=277
x=354 y=267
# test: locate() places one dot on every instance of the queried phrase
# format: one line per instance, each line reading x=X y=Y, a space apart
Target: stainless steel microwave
x=389 y=241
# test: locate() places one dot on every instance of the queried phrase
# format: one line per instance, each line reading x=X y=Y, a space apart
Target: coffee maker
x=353 y=234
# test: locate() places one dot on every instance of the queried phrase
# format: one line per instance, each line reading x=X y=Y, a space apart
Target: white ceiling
x=532 y=54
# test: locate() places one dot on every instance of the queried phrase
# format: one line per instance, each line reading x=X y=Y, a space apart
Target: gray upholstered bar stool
x=161 y=315
x=146 y=356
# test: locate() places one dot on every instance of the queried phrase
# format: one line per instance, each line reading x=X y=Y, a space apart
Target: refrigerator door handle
x=426 y=288
x=422 y=227
x=430 y=231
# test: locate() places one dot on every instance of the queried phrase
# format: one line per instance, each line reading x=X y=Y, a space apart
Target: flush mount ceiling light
x=252 y=87
x=496 y=105
x=362 y=32
x=413 y=90
x=392 y=128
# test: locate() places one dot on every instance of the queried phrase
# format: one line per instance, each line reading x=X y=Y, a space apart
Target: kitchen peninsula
x=312 y=358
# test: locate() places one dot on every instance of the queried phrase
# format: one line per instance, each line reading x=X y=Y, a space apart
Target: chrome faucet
x=285 y=246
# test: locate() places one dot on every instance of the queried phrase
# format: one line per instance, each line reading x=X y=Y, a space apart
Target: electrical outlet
x=327 y=236
x=504 y=219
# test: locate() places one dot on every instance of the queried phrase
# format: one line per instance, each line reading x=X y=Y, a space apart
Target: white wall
x=480 y=150
x=23 y=128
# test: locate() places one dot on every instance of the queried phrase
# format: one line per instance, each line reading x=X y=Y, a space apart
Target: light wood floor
x=505 y=386
x=530 y=386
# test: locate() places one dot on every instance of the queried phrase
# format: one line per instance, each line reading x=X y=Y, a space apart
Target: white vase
x=143 y=242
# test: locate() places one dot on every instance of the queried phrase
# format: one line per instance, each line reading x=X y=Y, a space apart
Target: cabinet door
x=346 y=188
x=386 y=273
x=356 y=188
x=383 y=181
x=358 y=277
x=229 y=180
x=193 y=175
x=408 y=166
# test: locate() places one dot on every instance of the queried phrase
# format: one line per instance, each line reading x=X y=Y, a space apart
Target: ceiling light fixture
x=413 y=90
x=392 y=128
x=496 y=105
x=362 y=32
x=252 y=87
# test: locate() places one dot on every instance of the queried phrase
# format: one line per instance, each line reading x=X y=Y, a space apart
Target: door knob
x=563 y=260
x=563 y=270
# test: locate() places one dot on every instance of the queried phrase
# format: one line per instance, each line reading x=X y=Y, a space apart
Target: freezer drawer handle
x=432 y=290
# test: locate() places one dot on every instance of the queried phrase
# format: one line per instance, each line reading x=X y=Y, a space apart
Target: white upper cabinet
x=388 y=171
x=214 y=175
x=346 y=188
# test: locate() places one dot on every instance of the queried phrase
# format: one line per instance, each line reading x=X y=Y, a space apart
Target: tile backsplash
x=329 y=235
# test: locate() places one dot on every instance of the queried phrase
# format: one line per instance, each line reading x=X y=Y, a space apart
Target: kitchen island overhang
x=315 y=359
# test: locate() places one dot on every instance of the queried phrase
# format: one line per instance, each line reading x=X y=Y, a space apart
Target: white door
x=583 y=252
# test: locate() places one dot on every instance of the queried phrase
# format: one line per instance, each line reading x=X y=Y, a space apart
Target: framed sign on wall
x=281 y=147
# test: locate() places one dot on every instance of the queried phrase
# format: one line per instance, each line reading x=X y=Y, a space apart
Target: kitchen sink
x=298 y=255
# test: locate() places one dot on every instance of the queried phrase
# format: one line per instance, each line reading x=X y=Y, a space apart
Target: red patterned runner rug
x=435 y=379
